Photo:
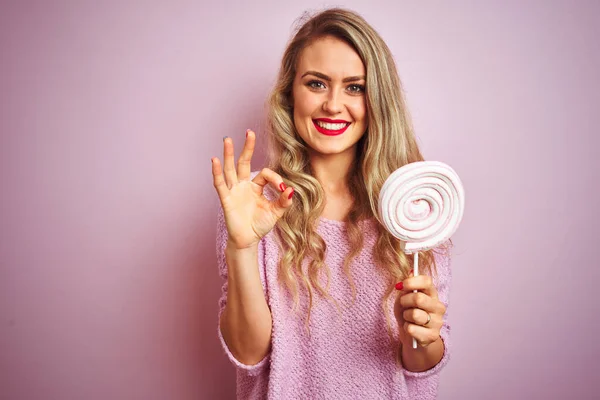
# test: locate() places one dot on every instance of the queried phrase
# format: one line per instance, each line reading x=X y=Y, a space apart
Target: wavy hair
x=388 y=144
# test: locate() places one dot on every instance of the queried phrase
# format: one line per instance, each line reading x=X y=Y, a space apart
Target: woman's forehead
x=332 y=57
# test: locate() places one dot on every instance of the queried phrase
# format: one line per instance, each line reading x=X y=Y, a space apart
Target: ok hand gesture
x=249 y=215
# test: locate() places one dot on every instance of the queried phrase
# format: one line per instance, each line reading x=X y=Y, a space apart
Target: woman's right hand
x=248 y=214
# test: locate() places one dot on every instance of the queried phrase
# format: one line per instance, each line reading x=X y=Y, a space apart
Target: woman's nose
x=332 y=103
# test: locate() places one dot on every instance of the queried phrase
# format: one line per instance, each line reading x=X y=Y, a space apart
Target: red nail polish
x=246 y=133
x=412 y=271
x=291 y=194
x=399 y=286
x=282 y=187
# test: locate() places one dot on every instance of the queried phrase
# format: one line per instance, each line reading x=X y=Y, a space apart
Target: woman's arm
x=423 y=316
x=246 y=322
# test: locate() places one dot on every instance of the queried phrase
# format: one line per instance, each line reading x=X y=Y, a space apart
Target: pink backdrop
x=109 y=116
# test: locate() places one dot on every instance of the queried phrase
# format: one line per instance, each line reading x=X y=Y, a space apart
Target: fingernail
x=247 y=131
x=225 y=137
x=291 y=194
x=399 y=286
x=412 y=271
x=282 y=187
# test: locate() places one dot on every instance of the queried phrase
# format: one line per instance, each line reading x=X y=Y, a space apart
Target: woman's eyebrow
x=325 y=77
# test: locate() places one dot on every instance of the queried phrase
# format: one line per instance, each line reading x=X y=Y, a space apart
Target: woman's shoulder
x=443 y=252
x=442 y=255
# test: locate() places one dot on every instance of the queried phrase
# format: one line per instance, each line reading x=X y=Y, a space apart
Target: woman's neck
x=332 y=172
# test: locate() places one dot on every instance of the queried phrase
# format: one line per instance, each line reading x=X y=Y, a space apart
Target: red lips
x=330 y=132
x=332 y=121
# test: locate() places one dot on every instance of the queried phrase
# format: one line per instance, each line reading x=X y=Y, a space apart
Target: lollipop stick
x=416 y=268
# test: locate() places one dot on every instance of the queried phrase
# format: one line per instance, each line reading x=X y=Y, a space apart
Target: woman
x=318 y=298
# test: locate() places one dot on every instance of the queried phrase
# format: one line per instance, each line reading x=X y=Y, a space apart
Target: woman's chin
x=330 y=150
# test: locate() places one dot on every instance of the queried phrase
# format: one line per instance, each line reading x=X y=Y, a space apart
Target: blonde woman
x=318 y=298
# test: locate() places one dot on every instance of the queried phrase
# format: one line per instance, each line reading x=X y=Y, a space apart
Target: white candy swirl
x=422 y=204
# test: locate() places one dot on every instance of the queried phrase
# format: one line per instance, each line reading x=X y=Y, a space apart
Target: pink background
x=109 y=116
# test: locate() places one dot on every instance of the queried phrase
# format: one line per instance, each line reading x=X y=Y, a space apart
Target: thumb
x=284 y=202
x=398 y=309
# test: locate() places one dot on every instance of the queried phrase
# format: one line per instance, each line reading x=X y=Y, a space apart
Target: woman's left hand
x=419 y=315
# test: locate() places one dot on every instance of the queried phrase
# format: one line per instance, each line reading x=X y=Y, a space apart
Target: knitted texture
x=346 y=353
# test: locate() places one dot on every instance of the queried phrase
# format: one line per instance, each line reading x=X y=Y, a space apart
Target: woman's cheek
x=358 y=108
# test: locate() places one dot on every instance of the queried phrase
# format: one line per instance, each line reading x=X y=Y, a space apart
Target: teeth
x=331 y=127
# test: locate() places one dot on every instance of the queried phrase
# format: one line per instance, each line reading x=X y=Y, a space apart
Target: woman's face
x=330 y=111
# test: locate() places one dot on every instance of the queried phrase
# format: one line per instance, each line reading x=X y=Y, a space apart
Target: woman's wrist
x=422 y=358
x=233 y=251
x=242 y=263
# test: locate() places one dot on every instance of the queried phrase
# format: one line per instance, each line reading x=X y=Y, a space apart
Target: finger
x=243 y=164
x=421 y=318
x=228 y=163
x=422 y=283
x=422 y=301
x=398 y=310
x=423 y=335
x=268 y=176
x=284 y=201
x=218 y=179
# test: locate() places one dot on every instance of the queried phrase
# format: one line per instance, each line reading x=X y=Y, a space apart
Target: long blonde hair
x=388 y=144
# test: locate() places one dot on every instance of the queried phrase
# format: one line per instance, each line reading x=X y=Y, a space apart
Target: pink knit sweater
x=347 y=354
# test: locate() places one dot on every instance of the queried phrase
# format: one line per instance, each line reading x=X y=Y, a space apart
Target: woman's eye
x=356 y=88
x=316 y=85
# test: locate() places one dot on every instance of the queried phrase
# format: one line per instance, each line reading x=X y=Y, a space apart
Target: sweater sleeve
x=422 y=385
x=251 y=370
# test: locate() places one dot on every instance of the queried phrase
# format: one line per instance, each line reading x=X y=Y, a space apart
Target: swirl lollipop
x=422 y=204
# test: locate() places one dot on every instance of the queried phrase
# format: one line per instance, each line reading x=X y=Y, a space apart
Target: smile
x=331 y=127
